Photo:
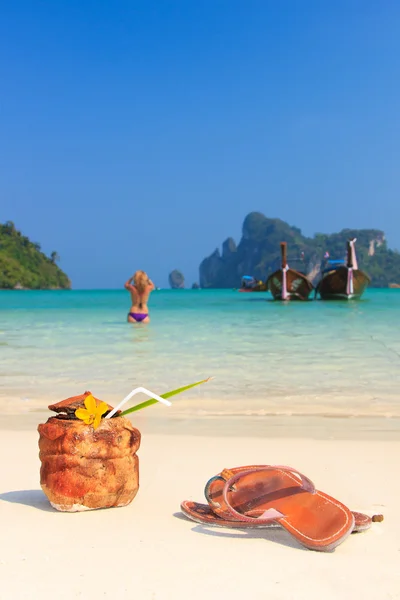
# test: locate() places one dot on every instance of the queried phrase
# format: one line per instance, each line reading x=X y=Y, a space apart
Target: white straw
x=133 y=393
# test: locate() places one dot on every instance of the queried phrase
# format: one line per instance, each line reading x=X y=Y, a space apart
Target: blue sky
x=140 y=134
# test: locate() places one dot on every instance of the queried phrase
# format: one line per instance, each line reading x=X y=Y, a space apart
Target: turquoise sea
x=316 y=358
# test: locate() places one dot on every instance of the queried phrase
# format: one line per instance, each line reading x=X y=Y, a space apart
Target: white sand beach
x=150 y=552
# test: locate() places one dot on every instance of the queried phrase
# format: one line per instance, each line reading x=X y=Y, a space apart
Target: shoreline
x=299 y=426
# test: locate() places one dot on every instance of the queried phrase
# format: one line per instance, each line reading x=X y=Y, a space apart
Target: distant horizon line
x=95 y=289
x=188 y=289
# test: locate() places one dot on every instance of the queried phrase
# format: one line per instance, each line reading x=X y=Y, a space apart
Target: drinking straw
x=133 y=393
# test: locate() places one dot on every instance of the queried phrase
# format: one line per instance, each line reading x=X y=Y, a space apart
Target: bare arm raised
x=128 y=285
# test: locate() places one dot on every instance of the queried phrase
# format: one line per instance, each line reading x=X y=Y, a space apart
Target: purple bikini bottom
x=138 y=316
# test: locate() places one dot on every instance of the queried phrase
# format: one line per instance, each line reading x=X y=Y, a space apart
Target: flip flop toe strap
x=271 y=514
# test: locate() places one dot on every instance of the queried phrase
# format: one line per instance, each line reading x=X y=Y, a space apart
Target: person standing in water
x=140 y=292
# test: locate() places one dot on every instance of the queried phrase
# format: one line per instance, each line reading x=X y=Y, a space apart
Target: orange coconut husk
x=83 y=468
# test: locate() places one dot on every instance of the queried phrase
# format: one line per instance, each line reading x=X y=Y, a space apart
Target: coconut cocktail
x=88 y=452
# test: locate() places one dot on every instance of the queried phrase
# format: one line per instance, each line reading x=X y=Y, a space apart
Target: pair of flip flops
x=262 y=496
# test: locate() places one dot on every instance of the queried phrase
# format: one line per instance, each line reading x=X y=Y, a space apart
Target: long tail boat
x=343 y=281
x=250 y=284
x=288 y=284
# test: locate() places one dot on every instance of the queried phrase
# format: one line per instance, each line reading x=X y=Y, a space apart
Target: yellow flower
x=91 y=415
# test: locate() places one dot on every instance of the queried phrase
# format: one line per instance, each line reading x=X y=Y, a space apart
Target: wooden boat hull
x=343 y=284
x=257 y=288
x=298 y=287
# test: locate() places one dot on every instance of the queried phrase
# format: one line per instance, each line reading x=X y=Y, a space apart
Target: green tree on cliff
x=22 y=264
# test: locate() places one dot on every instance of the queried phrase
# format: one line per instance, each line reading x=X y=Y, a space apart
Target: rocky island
x=176 y=280
x=258 y=253
x=24 y=266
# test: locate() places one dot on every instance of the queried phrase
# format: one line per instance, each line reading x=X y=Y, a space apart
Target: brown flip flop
x=204 y=515
x=214 y=488
x=261 y=496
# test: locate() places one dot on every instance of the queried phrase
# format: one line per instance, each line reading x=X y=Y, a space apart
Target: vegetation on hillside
x=258 y=253
x=23 y=265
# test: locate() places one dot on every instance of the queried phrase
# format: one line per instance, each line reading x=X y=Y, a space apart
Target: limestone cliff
x=258 y=253
x=176 y=280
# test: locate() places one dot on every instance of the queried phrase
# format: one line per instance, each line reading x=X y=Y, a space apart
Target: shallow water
x=315 y=358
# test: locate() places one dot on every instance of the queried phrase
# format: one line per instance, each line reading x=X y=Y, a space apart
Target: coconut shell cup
x=83 y=468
